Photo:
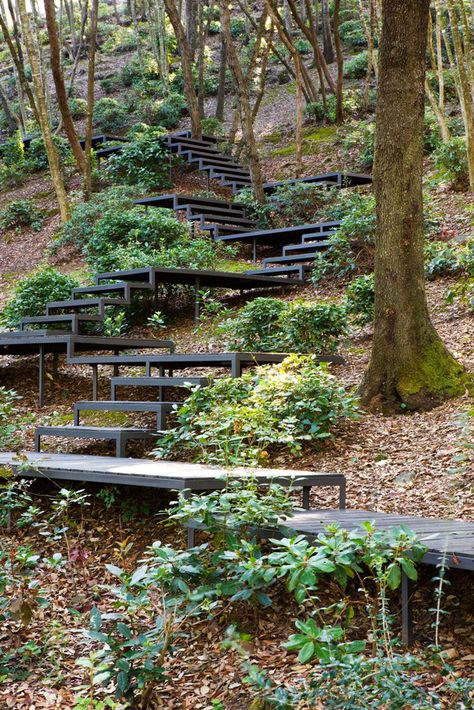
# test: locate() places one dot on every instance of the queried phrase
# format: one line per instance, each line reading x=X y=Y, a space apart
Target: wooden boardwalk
x=452 y=540
x=171 y=475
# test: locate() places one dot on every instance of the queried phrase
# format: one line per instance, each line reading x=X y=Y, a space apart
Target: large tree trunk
x=55 y=60
x=409 y=364
x=51 y=152
x=11 y=119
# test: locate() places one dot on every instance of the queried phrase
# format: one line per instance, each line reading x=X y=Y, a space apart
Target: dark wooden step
x=125 y=287
x=161 y=409
x=296 y=271
x=223 y=219
x=191 y=209
x=120 y=435
x=307 y=246
x=295 y=259
x=74 y=319
x=78 y=304
x=160 y=382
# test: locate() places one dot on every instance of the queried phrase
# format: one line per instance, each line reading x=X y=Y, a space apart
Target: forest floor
x=412 y=464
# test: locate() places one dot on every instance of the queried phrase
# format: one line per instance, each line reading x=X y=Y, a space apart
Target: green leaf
x=307 y=652
x=394 y=576
x=409 y=568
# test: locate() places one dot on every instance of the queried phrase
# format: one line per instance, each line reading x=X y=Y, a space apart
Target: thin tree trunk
x=13 y=121
x=464 y=83
x=328 y=47
x=55 y=59
x=242 y=86
x=16 y=54
x=51 y=152
x=85 y=11
x=340 y=63
x=186 y=63
x=90 y=98
x=409 y=366
x=222 y=74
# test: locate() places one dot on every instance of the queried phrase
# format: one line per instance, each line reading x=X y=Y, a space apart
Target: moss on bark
x=431 y=377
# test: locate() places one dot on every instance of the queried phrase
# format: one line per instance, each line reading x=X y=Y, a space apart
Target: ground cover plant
x=243 y=420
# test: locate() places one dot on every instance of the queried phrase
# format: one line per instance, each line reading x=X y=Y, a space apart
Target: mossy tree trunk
x=409 y=364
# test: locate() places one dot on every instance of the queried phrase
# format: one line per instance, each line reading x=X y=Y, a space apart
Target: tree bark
x=340 y=63
x=90 y=98
x=410 y=367
x=55 y=60
x=328 y=47
x=221 y=90
x=51 y=152
x=186 y=63
x=12 y=120
x=242 y=86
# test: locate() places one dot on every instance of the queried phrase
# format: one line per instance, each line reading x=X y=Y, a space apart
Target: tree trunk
x=409 y=366
x=186 y=63
x=90 y=98
x=55 y=60
x=221 y=90
x=340 y=63
x=242 y=86
x=12 y=120
x=51 y=152
x=328 y=47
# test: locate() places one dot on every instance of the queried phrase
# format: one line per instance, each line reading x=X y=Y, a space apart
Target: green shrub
x=143 y=162
x=360 y=299
x=288 y=205
x=79 y=228
x=118 y=228
x=361 y=139
x=186 y=252
x=352 y=34
x=78 y=108
x=164 y=112
x=356 y=68
x=351 y=247
x=119 y=40
x=32 y=293
x=20 y=213
x=36 y=158
x=12 y=162
x=244 y=420
x=269 y=324
x=110 y=84
x=8 y=416
x=238 y=27
x=448 y=259
x=451 y=159
x=110 y=114
x=211 y=126
x=135 y=71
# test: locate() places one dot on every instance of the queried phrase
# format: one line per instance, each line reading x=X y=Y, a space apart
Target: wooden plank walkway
x=451 y=539
x=171 y=475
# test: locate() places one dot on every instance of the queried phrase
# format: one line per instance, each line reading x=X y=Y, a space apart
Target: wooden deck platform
x=449 y=539
x=171 y=475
